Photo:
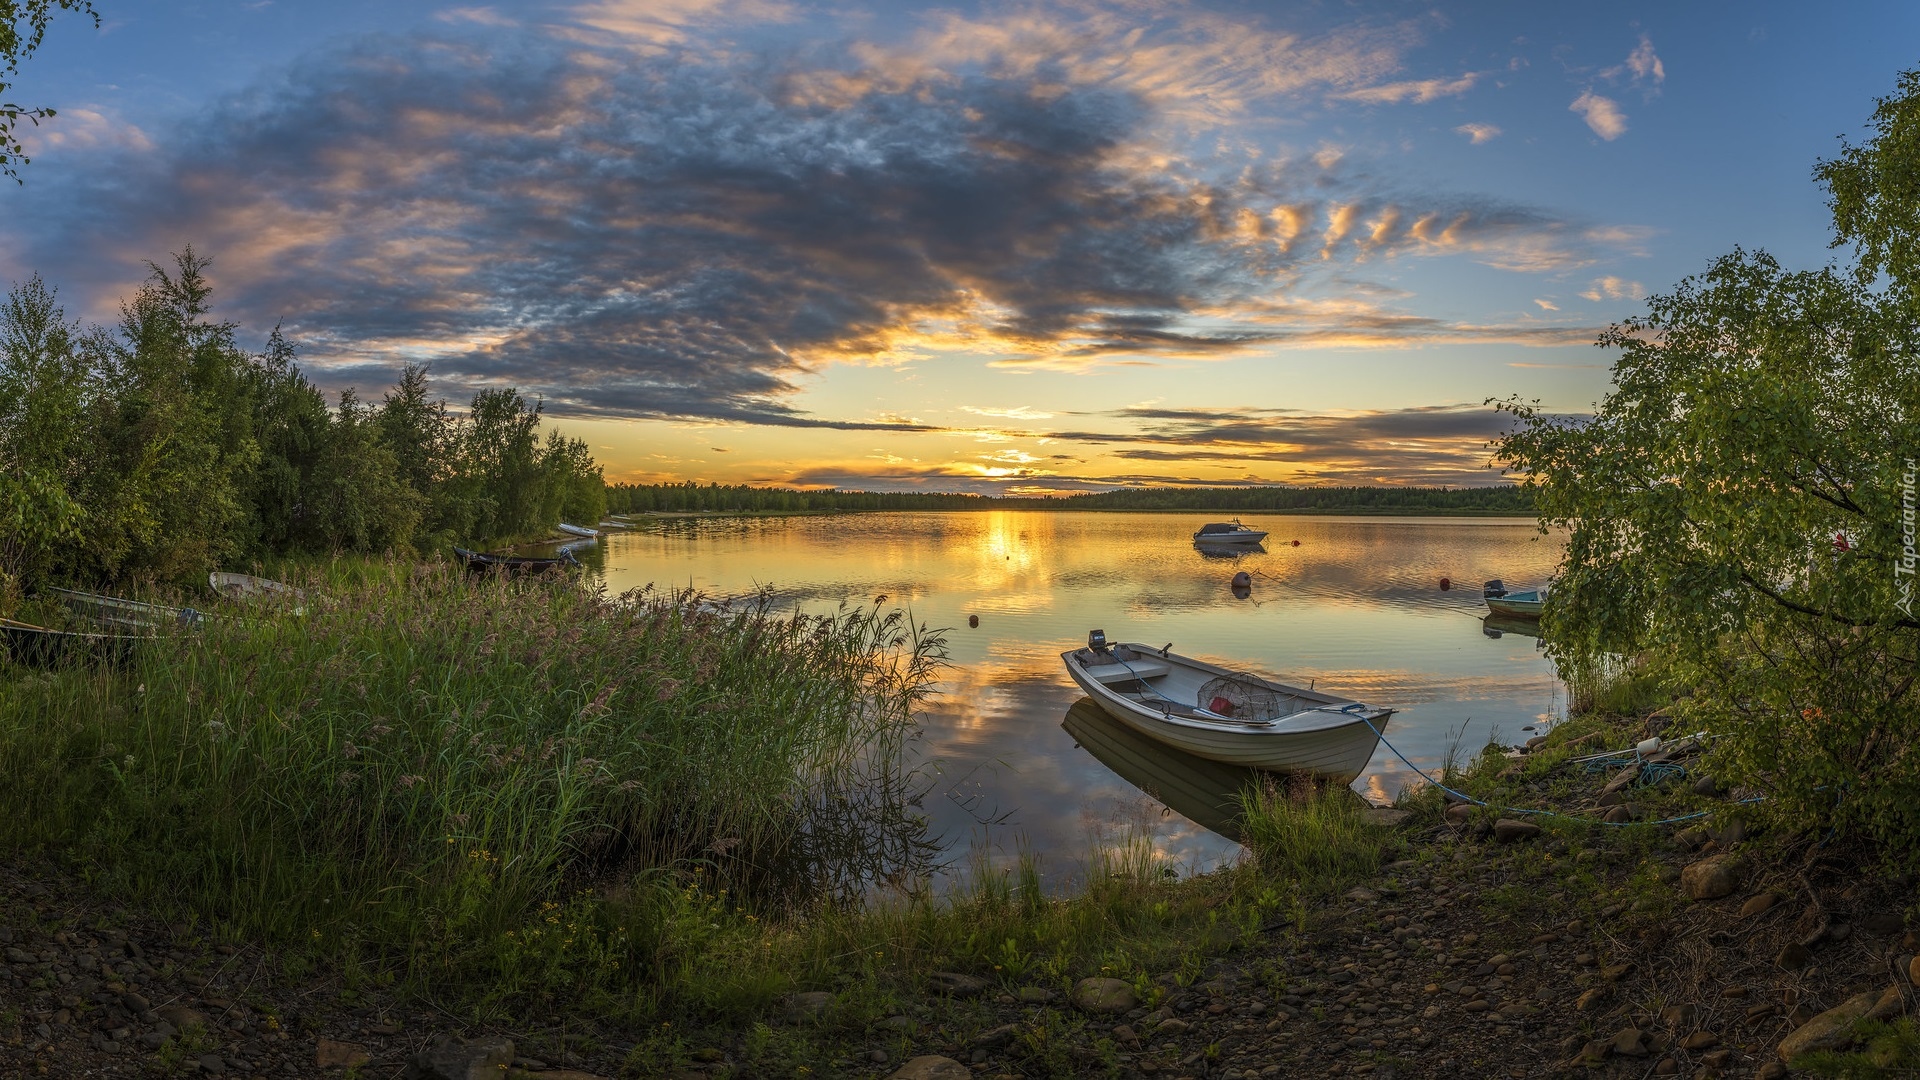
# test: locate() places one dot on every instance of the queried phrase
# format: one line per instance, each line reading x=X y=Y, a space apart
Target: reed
x=496 y=787
x=1315 y=836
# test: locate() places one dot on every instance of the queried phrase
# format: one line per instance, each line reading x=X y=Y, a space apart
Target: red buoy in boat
x=1446 y=583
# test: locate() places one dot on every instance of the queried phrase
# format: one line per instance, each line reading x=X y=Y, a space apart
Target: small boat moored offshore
x=513 y=565
x=38 y=646
x=1525 y=605
x=1227 y=716
x=576 y=530
x=250 y=589
x=1228 y=532
x=136 y=614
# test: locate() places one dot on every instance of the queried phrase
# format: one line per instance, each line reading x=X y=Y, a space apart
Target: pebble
x=1711 y=878
x=1098 y=995
x=954 y=984
x=1757 y=903
x=932 y=1067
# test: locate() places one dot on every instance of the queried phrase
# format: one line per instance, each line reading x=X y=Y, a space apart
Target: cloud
x=1418 y=91
x=82 y=127
x=1601 y=114
x=1645 y=64
x=484 y=16
x=1613 y=288
x=663 y=231
x=1478 y=133
x=1546 y=305
x=1019 y=412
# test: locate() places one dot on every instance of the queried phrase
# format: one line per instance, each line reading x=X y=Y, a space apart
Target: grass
x=1317 y=837
x=470 y=784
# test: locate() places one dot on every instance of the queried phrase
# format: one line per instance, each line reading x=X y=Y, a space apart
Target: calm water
x=1355 y=608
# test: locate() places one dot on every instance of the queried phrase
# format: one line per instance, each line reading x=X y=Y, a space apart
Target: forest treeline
x=684 y=497
x=159 y=449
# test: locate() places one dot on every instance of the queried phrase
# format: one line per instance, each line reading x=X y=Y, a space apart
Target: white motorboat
x=1524 y=605
x=1228 y=532
x=576 y=530
x=1227 y=716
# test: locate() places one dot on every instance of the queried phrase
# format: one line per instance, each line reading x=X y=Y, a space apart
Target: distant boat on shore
x=513 y=565
x=576 y=530
x=249 y=589
x=38 y=646
x=114 y=611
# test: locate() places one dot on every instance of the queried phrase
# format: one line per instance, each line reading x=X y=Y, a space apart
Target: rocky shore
x=1490 y=947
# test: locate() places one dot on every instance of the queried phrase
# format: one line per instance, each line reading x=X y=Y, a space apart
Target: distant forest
x=686 y=497
x=160 y=449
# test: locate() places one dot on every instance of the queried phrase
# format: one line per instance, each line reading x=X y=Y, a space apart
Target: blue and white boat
x=1524 y=605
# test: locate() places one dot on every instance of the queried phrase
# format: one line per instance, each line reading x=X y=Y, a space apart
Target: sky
x=1001 y=247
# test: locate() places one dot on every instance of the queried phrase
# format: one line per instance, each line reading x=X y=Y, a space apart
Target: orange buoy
x=1296 y=543
x=1446 y=583
x=1243 y=580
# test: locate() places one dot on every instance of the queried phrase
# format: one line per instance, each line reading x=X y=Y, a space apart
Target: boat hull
x=1516 y=605
x=39 y=647
x=1318 y=739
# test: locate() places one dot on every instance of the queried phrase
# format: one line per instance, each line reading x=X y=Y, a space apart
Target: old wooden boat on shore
x=480 y=565
x=41 y=647
x=255 y=590
x=134 y=614
x=1227 y=716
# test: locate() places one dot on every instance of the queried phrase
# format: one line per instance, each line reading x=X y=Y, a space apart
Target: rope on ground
x=1464 y=797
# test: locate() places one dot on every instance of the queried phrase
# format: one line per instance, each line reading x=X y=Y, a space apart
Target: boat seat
x=1108 y=674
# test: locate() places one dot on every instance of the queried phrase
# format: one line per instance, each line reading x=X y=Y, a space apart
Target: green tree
x=23 y=26
x=1742 y=503
x=42 y=429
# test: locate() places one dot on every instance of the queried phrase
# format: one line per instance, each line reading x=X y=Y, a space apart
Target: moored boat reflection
x=1204 y=792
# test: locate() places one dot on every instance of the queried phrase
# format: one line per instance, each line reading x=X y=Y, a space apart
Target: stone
x=1362 y=896
x=1589 y=999
x=1711 y=878
x=1913 y=971
x=1036 y=995
x=1833 y=1029
x=1509 y=830
x=807 y=1005
x=1616 y=972
x=1700 y=1040
x=332 y=1054
x=1883 y=924
x=183 y=1018
x=1386 y=816
x=1627 y=1043
x=1707 y=786
x=1172 y=1028
x=1625 y=776
x=994 y=1038
x=1536 y=743
x=954 y=984
x=1618 y=815
x=899 y=1023
x=1458 y=813
x=1757 y=903
x=1772 y=1070
x=932 y=1067
x=1677 y=1016
x=1731 y=833
x=1104 y=995
x=452 y=1058
x=1793 y=957
x=1692 y=839
x=212 y=1064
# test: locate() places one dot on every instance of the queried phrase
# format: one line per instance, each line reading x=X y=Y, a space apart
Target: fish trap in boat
x=1241 y=700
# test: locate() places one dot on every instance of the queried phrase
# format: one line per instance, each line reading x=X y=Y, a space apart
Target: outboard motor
x=1097 y=641
x=1495 y=588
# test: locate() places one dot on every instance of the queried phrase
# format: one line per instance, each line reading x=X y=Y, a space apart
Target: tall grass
x=1316 y=836
x=471 y=783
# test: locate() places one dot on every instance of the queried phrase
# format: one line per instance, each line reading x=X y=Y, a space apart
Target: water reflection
x=1205 y=792
x=1356 y=608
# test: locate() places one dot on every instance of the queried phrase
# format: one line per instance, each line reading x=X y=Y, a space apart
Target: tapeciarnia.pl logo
x=1903 y=567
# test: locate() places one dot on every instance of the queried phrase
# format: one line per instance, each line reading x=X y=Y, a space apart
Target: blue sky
x=996 y=247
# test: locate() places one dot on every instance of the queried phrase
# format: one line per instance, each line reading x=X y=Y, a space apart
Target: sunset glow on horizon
x=1010 y=248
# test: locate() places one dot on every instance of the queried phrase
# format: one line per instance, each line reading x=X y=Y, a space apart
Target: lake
x=1355 y=608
